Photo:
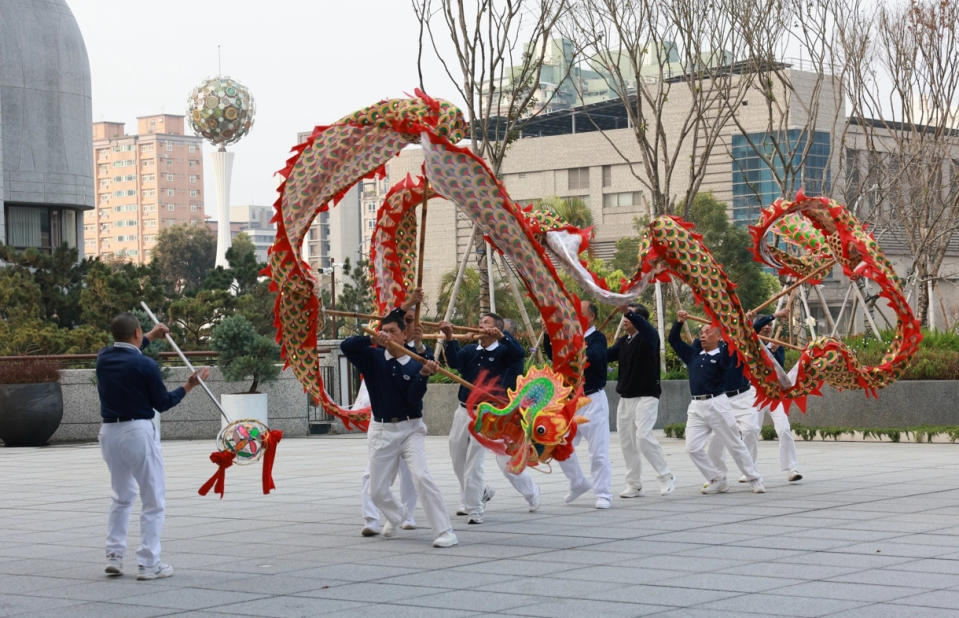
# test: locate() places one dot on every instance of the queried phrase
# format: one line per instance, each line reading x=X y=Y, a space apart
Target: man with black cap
x=638 y=387
x=763 y=324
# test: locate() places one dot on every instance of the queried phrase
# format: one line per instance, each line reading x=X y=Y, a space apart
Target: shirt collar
x=401 y=360
x=589 y=331
x=491 y=347
x=124 y=344
x=712 y=352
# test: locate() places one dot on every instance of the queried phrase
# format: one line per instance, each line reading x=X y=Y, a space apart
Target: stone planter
x=244 y=406
x=29 y=413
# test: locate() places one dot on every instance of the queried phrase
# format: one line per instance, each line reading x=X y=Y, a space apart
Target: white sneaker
x=757 y=486
x=577 y=491
x=114 y=565
x=370 y=529
x=603 y=503
x=389 y=529
x=535 y=504
x=157 y=571
x=462 y=511
x=743 y=479
x=717 y=486
x=666 y=486
x=631 y=492
x=794 y=475
x=409 y=524
x=447 y=539
x=475 y=519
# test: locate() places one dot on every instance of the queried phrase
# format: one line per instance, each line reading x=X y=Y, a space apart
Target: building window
x=607 y=175
x=148 y=163
x=192 y=148
x=578 y=178
x=627 y=198
x=169 y=177
x=193 y=177
x=193 y=163
x=171 y=207
x=194 y=193
x=169 y=147
x=131 y=192
x=170 y=192
x=43 y=228
x=194 y=208
x=168 y=161
x=753 y=181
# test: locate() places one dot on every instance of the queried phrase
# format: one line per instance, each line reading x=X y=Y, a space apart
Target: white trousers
x=407 y=495
x=467 y=456
x=745 y=413
x=522 y=482
x=390 y=443
x=714 y=417
x=133 y=456
x=635 y=417
x=787 y=444
x=596 y=432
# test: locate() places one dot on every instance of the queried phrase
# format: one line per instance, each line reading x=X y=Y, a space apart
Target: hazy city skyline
x=306 y=62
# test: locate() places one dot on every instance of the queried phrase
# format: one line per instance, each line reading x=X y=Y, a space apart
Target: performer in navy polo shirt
x=498 y=354
x=397 y=432
x=596 y=431
x=709 y=412
x=130 y=389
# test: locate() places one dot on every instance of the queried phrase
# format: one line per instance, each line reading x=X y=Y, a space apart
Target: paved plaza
x=873 y=530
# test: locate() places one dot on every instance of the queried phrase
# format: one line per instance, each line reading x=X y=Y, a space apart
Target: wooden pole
x=422 y=253
x=186 y=362
x=795 y=285
x=769 y=339
x=398 y=351
x=373 y=316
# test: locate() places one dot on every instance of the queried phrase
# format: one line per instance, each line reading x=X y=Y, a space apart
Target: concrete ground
x=873 y=530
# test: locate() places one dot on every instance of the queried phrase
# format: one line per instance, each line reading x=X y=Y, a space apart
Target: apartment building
x=143 y=183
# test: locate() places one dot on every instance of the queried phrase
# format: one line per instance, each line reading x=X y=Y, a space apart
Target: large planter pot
x=244 y=406
x=29 y=413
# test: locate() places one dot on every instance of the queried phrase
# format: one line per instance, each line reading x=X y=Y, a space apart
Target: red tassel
x=270 y=439
x=223 y=459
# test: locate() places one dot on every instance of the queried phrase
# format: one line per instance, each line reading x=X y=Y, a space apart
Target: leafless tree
x=793 y=53
x=499 y=48
x=671 y=66
x=903 y=87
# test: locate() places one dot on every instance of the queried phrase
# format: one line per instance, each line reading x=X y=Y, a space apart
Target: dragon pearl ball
x=221 y=110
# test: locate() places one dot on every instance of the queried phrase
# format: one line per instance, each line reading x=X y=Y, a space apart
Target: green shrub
x=675 y=430
x=244 y=353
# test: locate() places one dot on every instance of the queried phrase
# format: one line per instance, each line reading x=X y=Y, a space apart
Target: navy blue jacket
x=707 y=372
x=638 y=359
x=779 y=355
x=396 y=390
x=500 y=363
x=130 y=384
x=594 y=378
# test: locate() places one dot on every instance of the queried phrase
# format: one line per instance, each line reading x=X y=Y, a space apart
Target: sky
x=306 y=62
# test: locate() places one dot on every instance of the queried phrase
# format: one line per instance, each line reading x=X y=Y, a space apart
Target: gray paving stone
x=805 y=549
x=946 y=599
x=778 y=605
x=729 y=582
x=576 y=608
x=883 y=610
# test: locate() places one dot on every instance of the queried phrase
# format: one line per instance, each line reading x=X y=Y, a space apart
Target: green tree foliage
x=183 y=256
x=573 y=210
x=626 y=257
x=110 y=288
x=244 y=353
x=243 y=272
x=729 y=244
x=194 y=316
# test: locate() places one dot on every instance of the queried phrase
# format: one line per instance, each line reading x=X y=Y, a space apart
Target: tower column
x=222 y=171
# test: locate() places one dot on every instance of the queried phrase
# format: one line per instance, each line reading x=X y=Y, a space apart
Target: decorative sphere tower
x=221 y=110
